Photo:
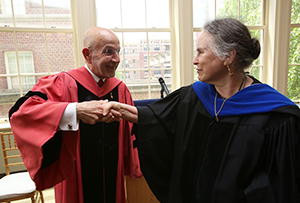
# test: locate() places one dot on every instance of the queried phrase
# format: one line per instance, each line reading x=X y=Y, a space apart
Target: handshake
x=94 y=111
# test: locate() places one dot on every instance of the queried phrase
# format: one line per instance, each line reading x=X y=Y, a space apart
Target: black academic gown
x=187 y=156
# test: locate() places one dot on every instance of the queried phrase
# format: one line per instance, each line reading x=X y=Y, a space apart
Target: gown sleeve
x=35 y=122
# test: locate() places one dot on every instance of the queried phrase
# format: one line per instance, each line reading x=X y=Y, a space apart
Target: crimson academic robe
x=36 y=122
x=251 y=155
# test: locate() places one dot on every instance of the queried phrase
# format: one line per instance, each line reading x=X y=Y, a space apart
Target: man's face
x=105 y=57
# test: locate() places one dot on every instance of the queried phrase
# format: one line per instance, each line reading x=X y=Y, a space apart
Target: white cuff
x=68 y=120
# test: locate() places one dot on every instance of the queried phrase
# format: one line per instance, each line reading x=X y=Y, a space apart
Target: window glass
x=25 y=66
x=142 y=44
x=136 y=19
x=32 y=15
x=136 y=41
x=203 y=11
x=160 y=59
x=293 y=85
x=6 y=19
x=61 y=52
x=58 y=13
x=295 y=17
x=34 y=42
x=158 y=16
x=228 y=8
x=251 y=12
x=105 y=18
x=294 y=57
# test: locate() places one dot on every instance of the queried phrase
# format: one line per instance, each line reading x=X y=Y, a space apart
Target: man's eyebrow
x=108 y=46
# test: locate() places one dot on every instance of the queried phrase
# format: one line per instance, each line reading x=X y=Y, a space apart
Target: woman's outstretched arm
x=120 y=110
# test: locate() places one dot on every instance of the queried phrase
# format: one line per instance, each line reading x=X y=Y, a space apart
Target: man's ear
x=229 y=60
x=87 y=54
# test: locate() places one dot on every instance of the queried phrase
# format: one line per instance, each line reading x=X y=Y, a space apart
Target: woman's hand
x=119 y=110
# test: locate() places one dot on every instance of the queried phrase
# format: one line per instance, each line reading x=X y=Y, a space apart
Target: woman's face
x=210 y=68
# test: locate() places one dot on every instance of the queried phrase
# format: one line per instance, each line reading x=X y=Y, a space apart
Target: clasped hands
x=91 y=112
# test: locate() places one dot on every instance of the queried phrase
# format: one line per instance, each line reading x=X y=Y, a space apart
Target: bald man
x=58 y=130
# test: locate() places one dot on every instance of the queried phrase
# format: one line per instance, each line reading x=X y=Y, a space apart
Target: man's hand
x=111 y=112
x=91 y=112
x=119 y=110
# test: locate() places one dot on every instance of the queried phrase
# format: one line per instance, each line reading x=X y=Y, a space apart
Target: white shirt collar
x=94 y=76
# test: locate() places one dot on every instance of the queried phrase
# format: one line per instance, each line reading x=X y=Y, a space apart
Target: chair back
x=11 y=153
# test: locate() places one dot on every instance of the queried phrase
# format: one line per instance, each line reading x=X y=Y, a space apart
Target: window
x=19 y=7
x=31 y=47
x=126 y=63
x=157 y=72
x=167 y=47
x=26 y=66
x=293 y=85
x=156 y=47
x=139 y=27
x=249 y=12
x=47 y=31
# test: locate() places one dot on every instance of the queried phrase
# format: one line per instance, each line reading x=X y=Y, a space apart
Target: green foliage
x=295 y=17
x=250 y=11
x=118 y=75
x=293 y=86
x=293 y=83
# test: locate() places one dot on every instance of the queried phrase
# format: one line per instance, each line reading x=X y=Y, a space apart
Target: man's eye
x=109 y=51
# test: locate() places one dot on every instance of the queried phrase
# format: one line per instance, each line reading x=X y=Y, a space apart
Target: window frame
x=19 y=73
x=276 y=27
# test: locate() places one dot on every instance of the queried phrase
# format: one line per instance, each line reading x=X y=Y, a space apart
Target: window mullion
x=18 y=64
x=43 y=9
x=13 y=13
x=47 y=53
x=148 y=64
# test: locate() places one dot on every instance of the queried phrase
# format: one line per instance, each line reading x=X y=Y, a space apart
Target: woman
x=226 y=138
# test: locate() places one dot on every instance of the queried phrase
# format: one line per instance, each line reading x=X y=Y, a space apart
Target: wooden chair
x=19 y=185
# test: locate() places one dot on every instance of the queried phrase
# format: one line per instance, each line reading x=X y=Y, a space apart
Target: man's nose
x=116 y=58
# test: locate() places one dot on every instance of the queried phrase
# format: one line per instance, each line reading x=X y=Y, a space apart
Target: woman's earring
x=229 y=71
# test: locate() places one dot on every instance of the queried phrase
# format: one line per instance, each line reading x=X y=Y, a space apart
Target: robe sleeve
x=155 y=141
x=36 y=121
